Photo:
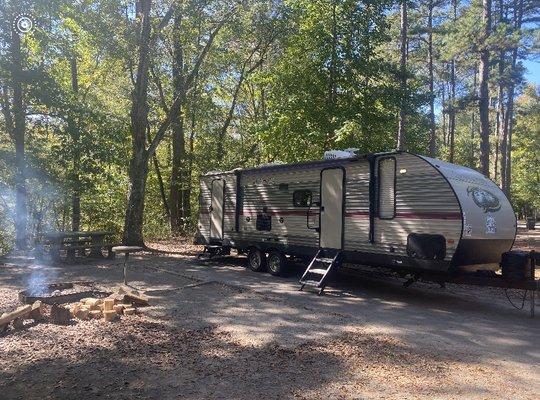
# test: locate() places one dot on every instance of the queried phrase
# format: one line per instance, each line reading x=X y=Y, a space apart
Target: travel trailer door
x=216 y=209
x=331 y=223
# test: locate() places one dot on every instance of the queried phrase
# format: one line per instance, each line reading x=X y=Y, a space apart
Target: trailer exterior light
x=402 y=170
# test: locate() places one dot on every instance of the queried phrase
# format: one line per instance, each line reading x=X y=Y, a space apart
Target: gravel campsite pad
x=215 y=330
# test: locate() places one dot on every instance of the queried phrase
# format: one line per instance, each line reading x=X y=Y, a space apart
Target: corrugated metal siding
x=205 y=199
x=357 y=207
x=387 y=178
x=229 y=209
x=229 y=219
x=262 y=189
x=425 y=203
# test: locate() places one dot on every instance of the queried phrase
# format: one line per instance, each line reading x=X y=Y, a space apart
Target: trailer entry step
x=319 y=271
x=325 y=261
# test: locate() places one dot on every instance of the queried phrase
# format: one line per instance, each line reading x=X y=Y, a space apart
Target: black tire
x=256 y=260
x=276 y=263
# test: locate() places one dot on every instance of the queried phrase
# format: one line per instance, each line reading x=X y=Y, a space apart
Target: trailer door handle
x=322 y=208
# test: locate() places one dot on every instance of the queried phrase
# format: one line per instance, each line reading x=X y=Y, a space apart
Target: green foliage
x=526 y=154
x=329 y=87
x=316 y=75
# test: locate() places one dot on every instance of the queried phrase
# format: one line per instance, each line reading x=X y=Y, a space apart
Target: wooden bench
x=72 y=242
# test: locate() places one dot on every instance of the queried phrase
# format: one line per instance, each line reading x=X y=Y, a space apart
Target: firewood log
x=18 y=323
x=60 y=315
x=37 y=311
x=18 y=313
x=135 y=298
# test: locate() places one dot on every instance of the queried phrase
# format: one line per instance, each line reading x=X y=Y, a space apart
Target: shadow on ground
x=217 y=330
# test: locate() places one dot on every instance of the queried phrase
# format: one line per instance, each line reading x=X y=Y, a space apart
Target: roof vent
x=333 y=154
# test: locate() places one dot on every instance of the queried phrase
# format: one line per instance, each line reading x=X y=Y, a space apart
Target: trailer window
x=264 y=221
x=387 y=188
x=302 y=198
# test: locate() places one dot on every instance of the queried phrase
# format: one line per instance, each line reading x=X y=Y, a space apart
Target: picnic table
x=73 y=242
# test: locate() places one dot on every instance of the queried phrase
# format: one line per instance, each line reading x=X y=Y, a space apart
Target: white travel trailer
x=395 y=209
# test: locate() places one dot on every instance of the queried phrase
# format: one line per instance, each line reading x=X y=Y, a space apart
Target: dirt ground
x=216 y=330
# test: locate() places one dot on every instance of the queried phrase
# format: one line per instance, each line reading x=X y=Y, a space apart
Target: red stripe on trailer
x=429 y=215
x=277 y=212
x=411 y=215
x=357 y=214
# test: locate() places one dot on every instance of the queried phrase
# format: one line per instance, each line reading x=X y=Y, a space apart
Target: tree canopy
x=115 y=105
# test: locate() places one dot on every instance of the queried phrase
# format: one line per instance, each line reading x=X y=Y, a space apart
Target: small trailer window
x=387 y=188
x=302 y=198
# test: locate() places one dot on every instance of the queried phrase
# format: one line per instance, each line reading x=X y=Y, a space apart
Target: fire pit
x=59 y=293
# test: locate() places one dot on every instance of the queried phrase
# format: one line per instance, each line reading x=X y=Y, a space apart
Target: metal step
x=330 y=263
x=318 y=271
x=325 y=260
x=310 y=282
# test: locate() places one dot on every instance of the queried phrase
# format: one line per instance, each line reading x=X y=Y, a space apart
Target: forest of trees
x=112 y=109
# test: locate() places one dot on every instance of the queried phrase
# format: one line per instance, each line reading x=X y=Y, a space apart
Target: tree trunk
x=452 y=111
x=484 y=91
x=332 y=77
x=75 y=136
x=155 y=161
x=432 y=132
x=500 y=147
x=138 y=166
x=228 y=119
x=176 y=199
x=182 y=82
x=189 y=172
x=138 y=172
x=452 y=95
x=403 y=72
x=508 y=120
x=244 y=72
x=472 y=160
x=19 y=128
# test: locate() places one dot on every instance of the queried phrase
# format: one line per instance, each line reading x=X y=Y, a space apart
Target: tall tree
x=403 y=76
x=73 y=128
x=17 y=114
x=452 y=94
x=138 y=165
x=500 y=94
x=483 y=104
x=183 y=80
x=176 y=198
x=432 y=127
x=508 y=123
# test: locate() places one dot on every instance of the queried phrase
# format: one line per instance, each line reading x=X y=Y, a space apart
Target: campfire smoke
x=39 y=279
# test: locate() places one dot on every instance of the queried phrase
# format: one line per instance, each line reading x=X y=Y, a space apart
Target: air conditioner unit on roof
x=333 y=154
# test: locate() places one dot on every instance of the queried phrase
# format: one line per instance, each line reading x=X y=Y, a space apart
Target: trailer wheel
x=256 y=260
x=276 y=263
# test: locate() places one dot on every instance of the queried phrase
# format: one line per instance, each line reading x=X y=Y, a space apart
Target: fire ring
x=59 y=293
